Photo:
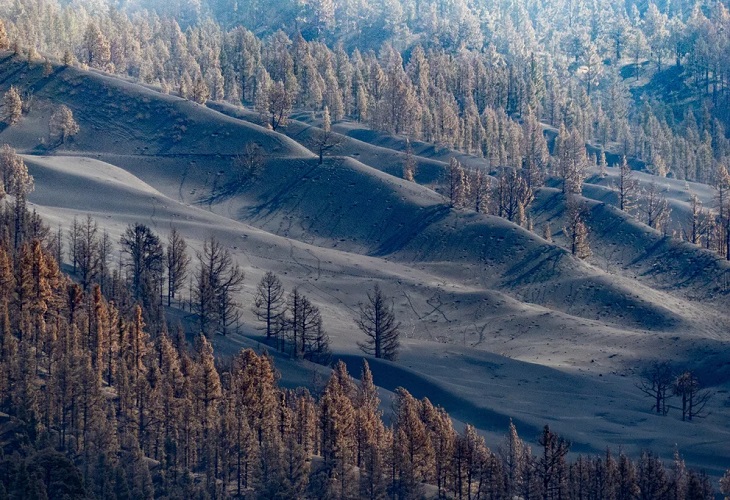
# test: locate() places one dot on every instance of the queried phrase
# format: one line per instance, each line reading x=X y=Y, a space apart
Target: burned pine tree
x=657 y=383
x=377 y=321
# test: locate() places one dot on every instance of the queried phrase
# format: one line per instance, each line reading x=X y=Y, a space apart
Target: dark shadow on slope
x=671 y=264
x=390 y=376
x=227 y=190
x=530 y=269
x=276 y=200
x=427 y=217
x=41 y=84
x=10 y=76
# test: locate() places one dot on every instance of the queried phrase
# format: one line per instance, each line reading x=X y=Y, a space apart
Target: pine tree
x=9 y=352
x=413 y=453
x=134 y=347
x=651 y=479
x=444 y=441
x=302 y=323
x=367 y=415
x=606 y=472
x=512 y=452
x=694 y=398
x=74 y=237
x=176 y=262
x=12 y=106
x=580 y=474
x=521 y=219
x=255 y=381
x=409 y=163
x=725 y=484
x=201 y=92
x=8 y=161
x=99 y=334
x=656 y=382
x=68 y=58
x=47 y=68
x=655 y=208
x=104 y=252
x=218 y=279
x=145 y=264
x=377 y=321
x=185 y=86
x=699 y=486
x=678 y=480
x=43 y=289
x=269 y=305
x=373 y=469
x=62 y=124
x=21 y=184
x=722 y=200
x=245 y=447
x=480 y=187
x=547 y=233
x=319 y=345
x=25 y=397
x=602 y=164
x=87 y=254
x=295 y=459
x=535 y=152
x=278 y=105
x=511 y=191
x=576 y=230
x=249 y=164
x=172 y=386
x=696 y=221
x=304 y=424
x=138 y=475
x=456 y=184
x=479 y=472
x=362 y=104
x=325 y=139
x=208 y=394
x=627 y=187
x=659 y=166
x=571 y=160
x=91 y=409
x=551 y=464
x=97 y=47
x=337 y=430
x=4 y=40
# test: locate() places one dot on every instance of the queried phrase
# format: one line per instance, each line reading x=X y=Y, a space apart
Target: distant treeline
x=452 y=73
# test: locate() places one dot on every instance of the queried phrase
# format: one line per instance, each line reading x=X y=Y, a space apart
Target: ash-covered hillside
x=550 y=233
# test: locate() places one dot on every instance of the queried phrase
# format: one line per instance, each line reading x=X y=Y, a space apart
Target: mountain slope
x=468 y=288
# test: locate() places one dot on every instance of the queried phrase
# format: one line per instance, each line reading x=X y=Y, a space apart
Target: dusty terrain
x=497 y=323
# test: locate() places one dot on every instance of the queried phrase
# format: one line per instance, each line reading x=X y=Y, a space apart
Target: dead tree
x=325 y=138
x=657 y=383
x=694 y=398
x=270 y=306
x=248 y=165
x=377 y=321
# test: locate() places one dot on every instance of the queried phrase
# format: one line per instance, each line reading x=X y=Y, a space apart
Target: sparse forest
x=96 y=407
x=101 y=396
x=493 y=80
